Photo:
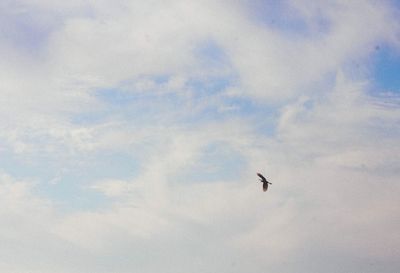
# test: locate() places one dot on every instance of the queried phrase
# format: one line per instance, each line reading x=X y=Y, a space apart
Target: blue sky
x=131 y=135
x=386 y=69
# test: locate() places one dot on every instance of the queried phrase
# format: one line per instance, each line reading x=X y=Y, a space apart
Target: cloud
x=112 y=187
x=157 y=117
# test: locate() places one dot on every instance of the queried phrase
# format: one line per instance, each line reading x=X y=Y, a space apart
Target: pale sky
x=131 y=133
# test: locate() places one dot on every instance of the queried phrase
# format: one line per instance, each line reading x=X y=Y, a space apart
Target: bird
x=264 y=181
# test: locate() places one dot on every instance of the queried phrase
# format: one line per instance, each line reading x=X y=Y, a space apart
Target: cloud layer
x=131 y=132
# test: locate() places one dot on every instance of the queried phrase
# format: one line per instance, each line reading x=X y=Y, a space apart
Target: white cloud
x=112 y=188
x=330 y=152
x=275 y=66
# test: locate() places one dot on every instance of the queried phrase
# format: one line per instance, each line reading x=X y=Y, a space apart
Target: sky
x=131 y=133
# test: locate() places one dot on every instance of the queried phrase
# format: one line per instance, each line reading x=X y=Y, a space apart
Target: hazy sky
x=131 y=133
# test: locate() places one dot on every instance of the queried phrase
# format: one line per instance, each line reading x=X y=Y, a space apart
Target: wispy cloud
x=131 y=132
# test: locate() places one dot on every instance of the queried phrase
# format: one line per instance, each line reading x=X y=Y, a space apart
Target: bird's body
x=265 y=186
x=264 y=181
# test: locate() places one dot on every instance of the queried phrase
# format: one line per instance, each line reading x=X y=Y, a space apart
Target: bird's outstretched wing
x=262 y=177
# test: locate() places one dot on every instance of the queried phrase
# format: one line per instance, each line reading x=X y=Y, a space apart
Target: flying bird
x=264 y=181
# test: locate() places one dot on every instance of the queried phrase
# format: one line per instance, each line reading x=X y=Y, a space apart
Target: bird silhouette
x=264 y=181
